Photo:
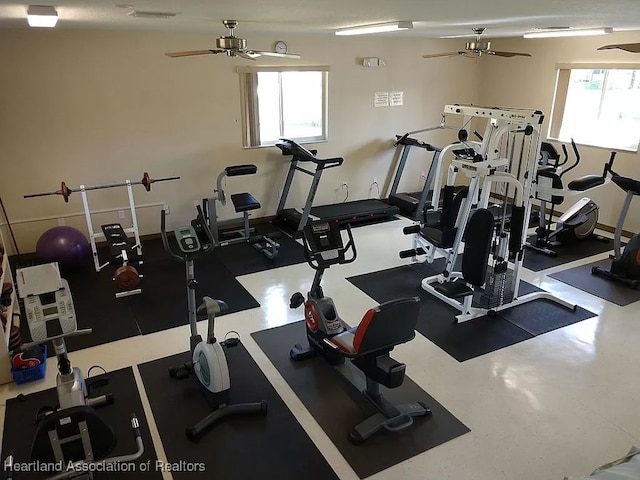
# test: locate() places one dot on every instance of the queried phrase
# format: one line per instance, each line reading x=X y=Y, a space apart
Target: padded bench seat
x=454 y=290
x=244 y=202
x=585 y=183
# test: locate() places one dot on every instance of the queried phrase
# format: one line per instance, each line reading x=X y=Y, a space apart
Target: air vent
x=146 y=14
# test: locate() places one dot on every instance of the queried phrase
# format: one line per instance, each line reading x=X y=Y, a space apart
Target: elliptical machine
x=367 y=345
x=209 y=362
x=72 y=433
x=580 y=220
x=625 y=266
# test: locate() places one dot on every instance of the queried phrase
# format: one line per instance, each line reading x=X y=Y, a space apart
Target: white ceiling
x=432 y=18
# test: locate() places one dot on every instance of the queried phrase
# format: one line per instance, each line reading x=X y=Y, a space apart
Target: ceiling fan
x=232 y=46
x=627 y=47
x=477 y=48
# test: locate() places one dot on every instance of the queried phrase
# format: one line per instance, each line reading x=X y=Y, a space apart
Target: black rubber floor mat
x=270 y=446
x=163 y=302
x=19 y=427
x=537 y=261
x=243 y=258
x=581 y=277
x=337 y=405
x=473 y=338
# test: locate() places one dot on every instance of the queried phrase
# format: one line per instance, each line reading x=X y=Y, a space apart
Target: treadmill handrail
x=289 y=147
x=414 y=142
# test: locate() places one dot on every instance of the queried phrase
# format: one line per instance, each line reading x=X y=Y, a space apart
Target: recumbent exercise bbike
x=367 y=345
x=72 y=432
x=208 y=360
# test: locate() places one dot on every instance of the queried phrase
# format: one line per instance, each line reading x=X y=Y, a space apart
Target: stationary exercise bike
x=580 y=220
x=73 y=432
x=625 y=266
x=367 y=345
x=209 y=362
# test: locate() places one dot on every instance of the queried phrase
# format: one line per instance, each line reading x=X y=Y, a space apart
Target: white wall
x=530 y=82
x=100 y=107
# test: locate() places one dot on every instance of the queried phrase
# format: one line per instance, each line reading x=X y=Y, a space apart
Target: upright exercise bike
x=367 y=345
x=208 y=360
x=625 y=266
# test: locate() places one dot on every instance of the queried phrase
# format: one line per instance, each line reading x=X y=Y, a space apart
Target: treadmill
x=355 y=213
x=413 y=204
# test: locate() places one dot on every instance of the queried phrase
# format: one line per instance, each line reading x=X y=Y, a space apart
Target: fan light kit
x=569 y=32
x=477 y=48
x=233 y=46
x=42 y=16
x=377 y=28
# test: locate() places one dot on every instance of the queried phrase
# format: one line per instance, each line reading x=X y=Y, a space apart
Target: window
x=283 y=102
x=599 y=107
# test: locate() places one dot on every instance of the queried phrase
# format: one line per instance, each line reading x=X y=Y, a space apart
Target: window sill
x=598 y=147
x=300 y=142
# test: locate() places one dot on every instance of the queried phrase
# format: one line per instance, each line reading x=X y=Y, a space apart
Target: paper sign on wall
x=396 y=99
x=381 y=99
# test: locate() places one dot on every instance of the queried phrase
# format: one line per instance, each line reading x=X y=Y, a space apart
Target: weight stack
x=498 y=290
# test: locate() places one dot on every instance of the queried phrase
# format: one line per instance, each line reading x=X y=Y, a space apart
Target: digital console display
x=49 y=311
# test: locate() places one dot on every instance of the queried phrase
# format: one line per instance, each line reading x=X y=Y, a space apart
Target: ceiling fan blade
x=248 y=55
x=281 y=55
x=627 y=47
x=436 y=55
x=190 y=53
x=507 y=54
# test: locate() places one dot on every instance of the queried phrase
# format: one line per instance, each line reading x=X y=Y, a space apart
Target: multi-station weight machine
x=506 y=157
x=124 y=254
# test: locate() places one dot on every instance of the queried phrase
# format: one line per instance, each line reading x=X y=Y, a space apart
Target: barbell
x=66 y=192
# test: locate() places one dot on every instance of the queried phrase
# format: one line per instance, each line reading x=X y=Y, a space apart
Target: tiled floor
x=559 y=404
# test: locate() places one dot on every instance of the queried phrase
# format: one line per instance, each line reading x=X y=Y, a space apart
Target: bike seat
x=585 y=183
x=627 y=184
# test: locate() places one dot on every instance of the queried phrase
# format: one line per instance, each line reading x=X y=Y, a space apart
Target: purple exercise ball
x=66 y=245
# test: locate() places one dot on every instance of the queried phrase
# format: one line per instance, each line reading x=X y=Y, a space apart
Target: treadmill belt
x=356 y=212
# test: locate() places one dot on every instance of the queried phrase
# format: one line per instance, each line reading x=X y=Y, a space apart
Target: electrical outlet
x=196 y=203
x=344 y=185
x=165 y=208
x=121 y=214
x=375 y=180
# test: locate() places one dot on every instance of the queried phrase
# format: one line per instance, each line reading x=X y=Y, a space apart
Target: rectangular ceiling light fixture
x=42 y=16
x=377 y=28
x=569 y=32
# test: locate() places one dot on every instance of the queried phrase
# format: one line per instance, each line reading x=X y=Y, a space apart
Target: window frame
x=561 y=91
x=249 y=102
